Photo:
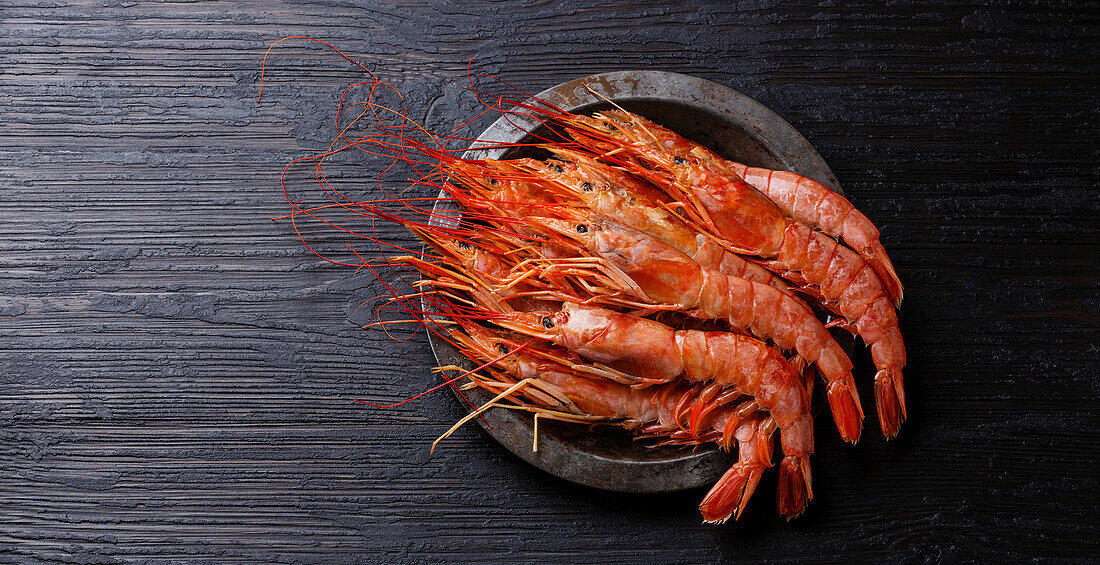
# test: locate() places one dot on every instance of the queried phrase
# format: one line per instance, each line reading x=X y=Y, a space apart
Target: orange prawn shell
x=602 y=336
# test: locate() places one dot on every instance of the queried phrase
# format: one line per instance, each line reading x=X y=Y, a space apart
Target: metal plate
x=716 y=116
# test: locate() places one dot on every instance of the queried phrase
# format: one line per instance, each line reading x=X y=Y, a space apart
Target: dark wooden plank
x=176 y=369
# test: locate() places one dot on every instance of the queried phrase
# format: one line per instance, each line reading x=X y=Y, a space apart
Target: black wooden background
x=176 y=370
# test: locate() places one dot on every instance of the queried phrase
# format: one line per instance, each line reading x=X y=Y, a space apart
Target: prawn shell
x=591 y=334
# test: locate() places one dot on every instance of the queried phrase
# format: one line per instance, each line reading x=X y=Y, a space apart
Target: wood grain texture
x=176 y=369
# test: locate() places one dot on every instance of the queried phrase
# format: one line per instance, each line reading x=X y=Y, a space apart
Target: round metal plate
x=716 y=116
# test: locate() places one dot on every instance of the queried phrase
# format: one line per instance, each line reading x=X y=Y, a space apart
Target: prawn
x=657 y=412
x=652 y=350
x=799 y=197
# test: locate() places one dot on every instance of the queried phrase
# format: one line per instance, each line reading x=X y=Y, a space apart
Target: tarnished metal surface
x=724 y=120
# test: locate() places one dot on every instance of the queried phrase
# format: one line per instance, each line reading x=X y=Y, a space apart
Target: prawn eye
x=557 y=169
x=612 y=127
x=582 y=228
x=463 y=245
x=492 y=181
x=678 y=160
x=587 y=187
x=502 y=348
x=547 y=322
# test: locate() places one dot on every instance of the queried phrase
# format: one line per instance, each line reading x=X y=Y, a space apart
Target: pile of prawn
x=634 y=278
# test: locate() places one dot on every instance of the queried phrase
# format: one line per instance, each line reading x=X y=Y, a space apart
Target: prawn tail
x=847 y=413
x=890 y=400
x=875 y=255
x=794 y=489
x=729 y=496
